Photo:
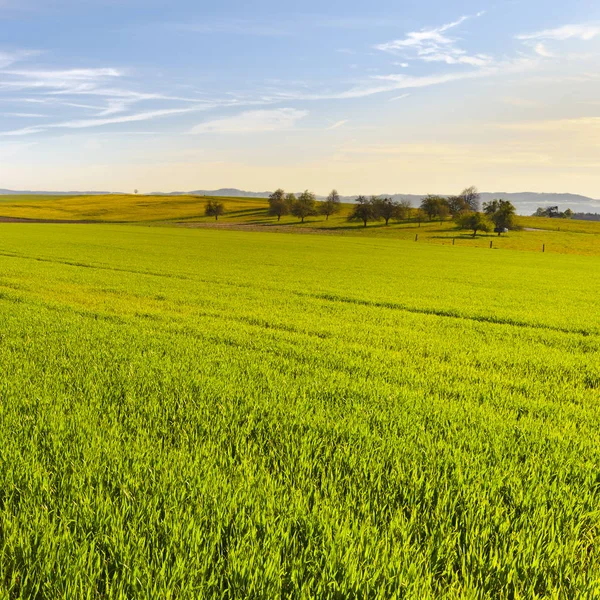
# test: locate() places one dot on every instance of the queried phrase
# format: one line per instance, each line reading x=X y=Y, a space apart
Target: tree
x=331 y=206
x=474 y=221
x=456 y=205
x=420 y=216
x=290 y=200
x=540 y=212
x=214 y=208
x=278 y=207
x=435 y=206
x=502 y=213
x=304 y=206
x=471 y=198
x=404 y=209
x=568 y=214
x=364 y=210
x=386 y=208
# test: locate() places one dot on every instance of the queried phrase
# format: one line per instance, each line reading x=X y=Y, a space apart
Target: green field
x=553 y=235
x=192 y=413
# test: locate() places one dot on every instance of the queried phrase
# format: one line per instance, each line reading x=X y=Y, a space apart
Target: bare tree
x=471 y=197
x=331 y=206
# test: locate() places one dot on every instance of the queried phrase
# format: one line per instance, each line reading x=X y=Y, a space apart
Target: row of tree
x=463 y=208
x=553 y=213
x=305 y=205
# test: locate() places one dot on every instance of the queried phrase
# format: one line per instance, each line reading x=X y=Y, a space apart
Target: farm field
x=555 y=235
x=198 y=413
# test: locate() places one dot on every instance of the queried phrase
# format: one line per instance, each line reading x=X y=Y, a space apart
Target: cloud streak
x=254 y=121
x=584 y=32
x=434 y=45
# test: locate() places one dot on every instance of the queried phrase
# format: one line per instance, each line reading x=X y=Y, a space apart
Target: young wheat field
x=193 y=413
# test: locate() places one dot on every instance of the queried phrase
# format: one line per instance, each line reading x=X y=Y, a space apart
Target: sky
x=386 y=96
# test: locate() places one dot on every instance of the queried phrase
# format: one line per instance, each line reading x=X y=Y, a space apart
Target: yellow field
x=116 y=208
x=554 y=235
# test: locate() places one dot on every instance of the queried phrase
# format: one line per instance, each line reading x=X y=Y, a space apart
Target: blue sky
x=374 y=97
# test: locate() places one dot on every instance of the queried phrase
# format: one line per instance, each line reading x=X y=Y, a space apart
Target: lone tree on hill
x=364 y=210
x=214 y=208
x=387 y=209
x=471 y=198
x=502 y=213
x=304 y=206
x=278 y=207
x=331 y=205
x=474 y=221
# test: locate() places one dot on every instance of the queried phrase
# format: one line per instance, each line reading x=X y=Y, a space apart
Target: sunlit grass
x=200 y=414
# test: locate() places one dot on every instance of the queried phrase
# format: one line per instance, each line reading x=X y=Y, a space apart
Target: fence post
x=453 y=240
x=417 y=237
x=491 y=243
x=543 y=247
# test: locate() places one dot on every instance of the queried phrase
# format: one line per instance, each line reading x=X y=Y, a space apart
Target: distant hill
x=525 y=202
x=44 y=193
x=224 y=192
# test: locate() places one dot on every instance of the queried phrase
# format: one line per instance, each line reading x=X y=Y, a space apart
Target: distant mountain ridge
x=525 y=202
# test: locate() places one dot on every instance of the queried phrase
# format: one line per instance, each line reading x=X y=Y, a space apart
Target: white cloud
x=583 y=32
x=9 y=58
x=21 y=115
x=337 y=125
x=254 y=121
x=400 y=97
x=433 y=45
x=541 y=50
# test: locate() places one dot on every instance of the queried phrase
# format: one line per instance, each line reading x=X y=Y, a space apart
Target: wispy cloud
x=22 y=115
x=337 y=125
x=88 y=123
x=434 y=45
x=541 y=50
x=400 y=97
x=254 y=121
x=9 y=58
x=585 y=32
